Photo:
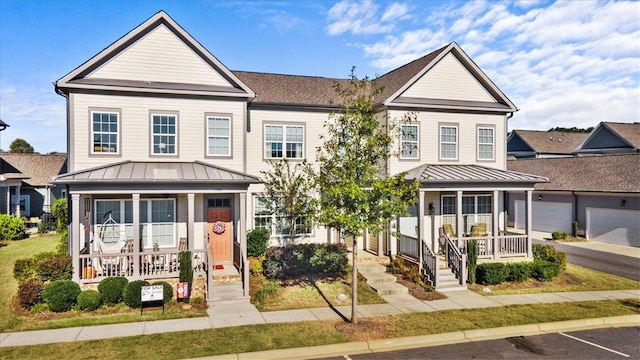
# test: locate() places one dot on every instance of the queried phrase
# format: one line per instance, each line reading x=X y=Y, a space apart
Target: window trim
x=493 y=144
x=175 y=114
x=440 y=142
x=118 y=112
x=206 y=135
x=416 y=142
x=284 y=125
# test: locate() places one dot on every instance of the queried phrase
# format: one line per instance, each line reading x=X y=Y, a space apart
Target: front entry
x=219 y=231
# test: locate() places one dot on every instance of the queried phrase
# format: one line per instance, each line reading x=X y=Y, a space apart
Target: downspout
x=575 y=210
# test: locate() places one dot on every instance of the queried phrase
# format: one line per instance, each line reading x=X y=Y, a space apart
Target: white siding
x=467 y=139
x=135 y=129
x=160 y=56
x=450 y=80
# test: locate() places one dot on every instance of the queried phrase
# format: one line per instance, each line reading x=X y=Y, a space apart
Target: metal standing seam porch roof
x=158 y=172
x=469 y=174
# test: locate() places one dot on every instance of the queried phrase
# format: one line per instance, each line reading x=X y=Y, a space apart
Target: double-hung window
x=485 y=143
x=284 y=141
x=105 y=130
x=164 y=134
x=475 y=209
x=448 y=142
x=218 y=136
x=409 y=142
x=277 y=224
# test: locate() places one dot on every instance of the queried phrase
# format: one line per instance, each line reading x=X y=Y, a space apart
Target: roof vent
x=559 y=140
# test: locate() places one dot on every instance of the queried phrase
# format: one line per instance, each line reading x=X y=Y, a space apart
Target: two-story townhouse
x=166 y=146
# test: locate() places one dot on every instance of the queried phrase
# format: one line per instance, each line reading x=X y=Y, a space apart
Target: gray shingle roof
x=468 y=173
x=146 y=172
x=629 y=131
x=36 y=169
x=606 y=173
x=551 y=142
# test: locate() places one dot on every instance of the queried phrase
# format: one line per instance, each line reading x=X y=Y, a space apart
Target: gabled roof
x=605 y=173
x=620 y=136
x=80 y=78
x=468 y=174
x=3 y=125
x=548 y=142
x=35 y=169
x=157 y=172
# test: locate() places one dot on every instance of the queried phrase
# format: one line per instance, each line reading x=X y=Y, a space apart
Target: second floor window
x=164 y=134
x=449 y=142
x=409 y=142
x=218 y=136
x=105 y=131
x=485 y=143
x=284 y=141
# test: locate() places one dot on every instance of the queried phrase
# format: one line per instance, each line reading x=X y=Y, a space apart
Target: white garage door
x=547 y=216
x=621 y=227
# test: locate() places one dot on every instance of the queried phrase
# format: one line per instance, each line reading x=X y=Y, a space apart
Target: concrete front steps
x=448 y=281
x=227 y=287
x=379 y=280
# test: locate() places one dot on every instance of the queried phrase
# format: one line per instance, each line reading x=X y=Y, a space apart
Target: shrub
x=549 y=253
x=257 y=241
x=132 y=293
x=472 y=260
x=167 y=290
x=55 y=268
x=186 y=270
x=30 y=293
x=267 y=290
x=23 y=269
x=111 y=289
x=492 y=273
x=302 y=259
x=43 y=227
x=11 y=227
x=89 y=300
x=545 y=270
x=61 y=295
x=520 y=271
x=574 y=226
x=60 y=211
x=559 y=235
x=255 y=264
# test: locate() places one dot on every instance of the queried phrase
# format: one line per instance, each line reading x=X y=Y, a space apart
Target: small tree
x=472 y=260
x=61 y=211
x=20 y=146
x=356 y=193
x=288 y=190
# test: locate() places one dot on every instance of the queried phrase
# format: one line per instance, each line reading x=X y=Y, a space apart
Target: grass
x=576 y=278
x=188 y=344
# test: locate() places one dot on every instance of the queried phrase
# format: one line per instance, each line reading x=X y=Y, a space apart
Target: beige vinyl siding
x=449 y=80
x=467 y=124
x=160 y=56
x=135 y=129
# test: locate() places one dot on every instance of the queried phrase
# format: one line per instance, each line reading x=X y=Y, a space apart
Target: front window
x=105 y=132
x=164 y=133
x=277 y=224
x=409 y=142
x=449 y=142
x=485 y=143
x=218 y=136
x=475 y=209
x=284 y=142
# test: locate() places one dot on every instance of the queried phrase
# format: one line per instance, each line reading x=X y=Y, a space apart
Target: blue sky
x=571 y=63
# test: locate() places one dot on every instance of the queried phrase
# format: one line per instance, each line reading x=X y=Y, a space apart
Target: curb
x=412 y=342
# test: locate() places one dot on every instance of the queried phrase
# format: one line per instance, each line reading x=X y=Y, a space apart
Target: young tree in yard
x=20 y=146
x=356 y=193
x=289 y=193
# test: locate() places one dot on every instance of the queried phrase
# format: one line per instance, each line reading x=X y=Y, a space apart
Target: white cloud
x=395 y=12
x=363 y=18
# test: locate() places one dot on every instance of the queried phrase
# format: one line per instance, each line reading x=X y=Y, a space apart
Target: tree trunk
x=354 y=285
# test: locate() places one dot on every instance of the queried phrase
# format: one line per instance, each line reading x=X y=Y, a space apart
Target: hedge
x=89 y=300
x=111 y=289
x=305 y=259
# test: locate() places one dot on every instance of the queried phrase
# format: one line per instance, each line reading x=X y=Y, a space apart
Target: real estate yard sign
x=151 y=296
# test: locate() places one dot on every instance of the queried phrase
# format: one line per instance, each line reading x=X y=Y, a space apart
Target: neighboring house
x=165 y=154
x=25 y=180
x=525 y=144
x=601 y=193
x=3 y=125
x=611 y=138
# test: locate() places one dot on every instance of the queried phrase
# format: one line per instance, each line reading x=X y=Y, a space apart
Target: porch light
x=623 y=202
x=539 y=197
x=431 y=209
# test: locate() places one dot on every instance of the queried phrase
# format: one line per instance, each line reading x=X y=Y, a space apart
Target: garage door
x=547 y=216
x=620 y=227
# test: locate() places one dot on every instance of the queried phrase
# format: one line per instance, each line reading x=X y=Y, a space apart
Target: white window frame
x=161 y=134
x=109 y=133
x=485 y=144
x=406 y=142
x=211 y=137
x=268 y=151
x=454 y=143
x=275 y=222
x=468 y=218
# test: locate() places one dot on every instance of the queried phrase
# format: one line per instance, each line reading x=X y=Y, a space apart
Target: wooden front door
x=219 y=233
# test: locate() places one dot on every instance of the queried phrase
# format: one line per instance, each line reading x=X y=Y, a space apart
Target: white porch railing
x=457 y=261
x=408 y=245
x=513 y=245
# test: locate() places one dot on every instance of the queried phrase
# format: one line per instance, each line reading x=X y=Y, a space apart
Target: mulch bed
x=418 y=291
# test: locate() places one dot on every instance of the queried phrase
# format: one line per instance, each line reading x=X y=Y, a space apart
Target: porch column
x=529 y=225
x=18 y=212
x=74 y=237
x=243 y=224
x=459 y=229
x=496 y=225
x=136 y=235
x=190 y=220
x=380 y=251
x=421 y=228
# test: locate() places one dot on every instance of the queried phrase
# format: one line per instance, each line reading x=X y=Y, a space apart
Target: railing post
x=463 y=271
